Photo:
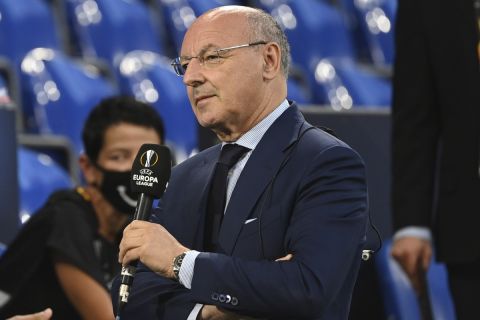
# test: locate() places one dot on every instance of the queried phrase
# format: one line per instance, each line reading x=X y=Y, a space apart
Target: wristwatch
x=176 y=264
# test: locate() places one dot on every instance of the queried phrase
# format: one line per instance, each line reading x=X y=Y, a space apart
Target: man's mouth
x=202 y=98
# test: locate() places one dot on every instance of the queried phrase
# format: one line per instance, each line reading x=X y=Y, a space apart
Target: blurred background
x=58 y=58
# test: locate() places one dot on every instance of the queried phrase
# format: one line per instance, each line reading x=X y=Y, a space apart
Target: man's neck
x=226 y=135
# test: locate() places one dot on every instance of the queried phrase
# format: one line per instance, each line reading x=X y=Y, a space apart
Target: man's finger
x=426 y=258
x=129 y=241
x=130 y=255
x=409 y=263
x=288 y=257
x=43 y=315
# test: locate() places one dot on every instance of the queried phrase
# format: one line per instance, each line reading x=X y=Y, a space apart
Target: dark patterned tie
x=230 y=155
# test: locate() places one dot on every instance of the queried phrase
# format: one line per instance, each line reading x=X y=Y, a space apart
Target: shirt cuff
x=186 y=269
x=195 y=311
x=417 y=232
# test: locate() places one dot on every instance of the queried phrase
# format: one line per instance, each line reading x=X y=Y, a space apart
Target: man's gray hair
x=264 y=27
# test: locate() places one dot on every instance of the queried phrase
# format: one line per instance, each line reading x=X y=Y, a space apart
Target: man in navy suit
x=290 y=237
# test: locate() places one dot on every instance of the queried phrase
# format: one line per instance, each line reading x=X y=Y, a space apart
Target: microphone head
x=151 y=170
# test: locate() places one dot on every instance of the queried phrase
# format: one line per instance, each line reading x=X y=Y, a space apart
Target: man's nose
x=193 y=75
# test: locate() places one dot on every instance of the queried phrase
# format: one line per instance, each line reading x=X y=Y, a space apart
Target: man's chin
x=208 y=123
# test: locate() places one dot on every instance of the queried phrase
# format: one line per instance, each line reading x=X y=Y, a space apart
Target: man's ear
x=88 y=169
x=272 y=57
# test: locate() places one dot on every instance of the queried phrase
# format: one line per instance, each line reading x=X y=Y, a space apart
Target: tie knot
x=231 y=153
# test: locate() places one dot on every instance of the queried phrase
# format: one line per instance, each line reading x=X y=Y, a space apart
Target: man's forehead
x=216 y=32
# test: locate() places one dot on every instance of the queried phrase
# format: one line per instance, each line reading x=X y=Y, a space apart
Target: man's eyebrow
x=202 y=51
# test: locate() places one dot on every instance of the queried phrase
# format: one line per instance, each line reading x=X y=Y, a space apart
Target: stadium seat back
x=60 y=93
x=375 y=21
x=38 y=177
x=344 y=84
x=298 y=92
x=4 y=97
x=149 y=77
x=315 y=29
x=400 y=299
x=179 y=15
x=109 y=29
x=25 y=25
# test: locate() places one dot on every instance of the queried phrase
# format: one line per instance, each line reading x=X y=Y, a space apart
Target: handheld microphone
x=149 y=177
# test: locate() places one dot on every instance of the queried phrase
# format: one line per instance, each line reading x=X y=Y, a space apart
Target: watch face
x=177 y=263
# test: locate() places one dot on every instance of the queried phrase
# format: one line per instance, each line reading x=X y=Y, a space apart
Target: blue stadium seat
x=3 y=247
x=315 y=30
x=343 y=84
x=57 y=92
x=317 y=33
x=439 y=292
x=4 y=96
x=25 y=25
x=298 y=92
x=109 y=29
x=149 y=77
x=375 y=21
x=400 y=300
x=61 y=93
x=179 y=15
x=200 y=7
x=38 y=177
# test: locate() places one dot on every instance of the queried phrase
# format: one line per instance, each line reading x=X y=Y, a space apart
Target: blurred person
x=269 y=223
x=436 y=140
x=66 y=255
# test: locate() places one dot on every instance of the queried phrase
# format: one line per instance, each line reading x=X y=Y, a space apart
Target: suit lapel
x=193 y=224
x=258 y=172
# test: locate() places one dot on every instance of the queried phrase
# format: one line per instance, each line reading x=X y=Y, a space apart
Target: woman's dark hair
x=113 y=111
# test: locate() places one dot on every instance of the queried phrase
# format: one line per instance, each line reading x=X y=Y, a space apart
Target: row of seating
x=323 y=47
x=125 y=37
x=57 y=91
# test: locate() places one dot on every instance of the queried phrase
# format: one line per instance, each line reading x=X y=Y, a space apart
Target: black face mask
x=115 y=188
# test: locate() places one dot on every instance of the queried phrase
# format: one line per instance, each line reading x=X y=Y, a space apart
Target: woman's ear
x=272 y=57
x=88 y=169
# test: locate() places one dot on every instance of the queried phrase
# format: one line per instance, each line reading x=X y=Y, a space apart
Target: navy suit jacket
x=306 y=193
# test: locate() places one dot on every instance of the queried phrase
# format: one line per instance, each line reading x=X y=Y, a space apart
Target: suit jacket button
x=229 y=298
x=234 y=301
x=214 y=296
x=222 y=298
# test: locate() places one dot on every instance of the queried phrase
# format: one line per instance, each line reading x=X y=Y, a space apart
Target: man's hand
x=414 y=255
x=210 y=312
x=44 y=315
x=152 y=244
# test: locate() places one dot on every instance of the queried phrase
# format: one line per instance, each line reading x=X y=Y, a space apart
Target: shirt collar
x=253 y=136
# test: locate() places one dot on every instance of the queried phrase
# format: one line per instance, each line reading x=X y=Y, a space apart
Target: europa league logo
x=149 y=158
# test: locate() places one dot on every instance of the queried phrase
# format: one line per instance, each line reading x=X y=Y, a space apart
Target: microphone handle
x=142 y=212
x=144 y=207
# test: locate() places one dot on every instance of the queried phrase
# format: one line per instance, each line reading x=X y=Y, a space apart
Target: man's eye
x=211 y=57
x=184 y=66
